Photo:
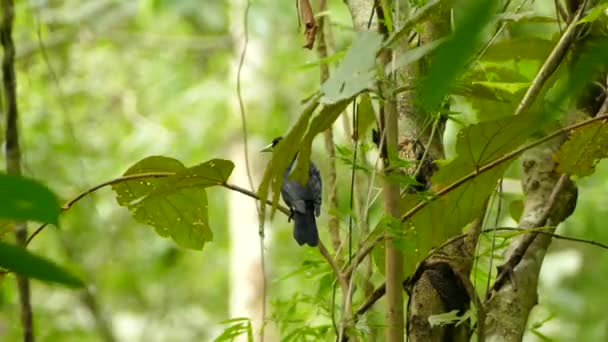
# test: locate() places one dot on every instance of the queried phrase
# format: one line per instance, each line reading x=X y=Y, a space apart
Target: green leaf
x=450 y=58
x=446 y=216
x=584 y=148
x=516 y=208
x=19 y=260
x=238 y=326
x=519 y=48
x=594 y=13
x=175 y=205
x=413 y=55
x=26 y=199
x=357 y=71
x=509 y=87
x=444 y=318
x=320 y=123
x=525 y=17
x=366 y=116
x=282 y=156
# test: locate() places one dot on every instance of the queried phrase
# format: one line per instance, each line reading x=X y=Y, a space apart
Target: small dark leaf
x=26 y=199
x=516 y=208
x=19 y=260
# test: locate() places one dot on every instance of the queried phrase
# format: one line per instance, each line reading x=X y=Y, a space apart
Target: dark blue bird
x=304 y=201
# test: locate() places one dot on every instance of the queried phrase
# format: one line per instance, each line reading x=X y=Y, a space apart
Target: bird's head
x=271 y=146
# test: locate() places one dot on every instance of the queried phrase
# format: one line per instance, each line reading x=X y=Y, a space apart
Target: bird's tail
x=305 y=226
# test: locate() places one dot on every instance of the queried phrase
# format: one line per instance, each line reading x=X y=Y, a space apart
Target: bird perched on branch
x=304 y=201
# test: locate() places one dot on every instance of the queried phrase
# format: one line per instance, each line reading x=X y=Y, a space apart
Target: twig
x=334 y=220
x=13 y=152
x=409 y=24
x=381 y=290
x=550 y=65
x=371 y=300
x=519 y=252
x=310 y=26
x=499 y=161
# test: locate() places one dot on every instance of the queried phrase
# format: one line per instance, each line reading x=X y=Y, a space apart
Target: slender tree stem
x=13 y=152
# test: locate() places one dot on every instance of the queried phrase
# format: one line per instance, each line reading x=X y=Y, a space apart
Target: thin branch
x=371 y=300
x=70 y=203
x=334 y=219
x=13 y=152
x=381 y=290
x=550 y=65
x=416 y=19
x=364 y=251
x=519 y=252
x=499 y=161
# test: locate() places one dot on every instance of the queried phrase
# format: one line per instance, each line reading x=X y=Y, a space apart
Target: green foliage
x=282 y=156
x=175 y=205
x=584 y=148
x=451 y=57
x=320 y=123
x=238 y=326
x=357 y=70
x=26 y=199
x=366 y=116
x=519 y=48
x=19 y=260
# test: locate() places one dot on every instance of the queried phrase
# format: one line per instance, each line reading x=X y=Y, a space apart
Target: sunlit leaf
x=19 y=260
x=356 y=72
x=26 y=199
x=175 y=205
x=584 y=148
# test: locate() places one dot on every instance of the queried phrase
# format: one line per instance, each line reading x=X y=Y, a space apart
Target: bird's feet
x=290 y=215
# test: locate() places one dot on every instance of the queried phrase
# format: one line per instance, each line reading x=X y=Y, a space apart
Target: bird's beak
x=268 y=148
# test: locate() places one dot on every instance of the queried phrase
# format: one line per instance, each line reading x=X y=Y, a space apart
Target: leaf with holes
x=175 y=205
x=584 y=148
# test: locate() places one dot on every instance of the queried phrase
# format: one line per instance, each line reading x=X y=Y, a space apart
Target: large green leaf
x=26 y=199
x=175 y=205
x=450 y=58
x=19 y=260
x=446 y=216
x=357 y=71
x=584 y=148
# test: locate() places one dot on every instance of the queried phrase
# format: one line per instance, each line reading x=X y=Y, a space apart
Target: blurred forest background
x=104 y=83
